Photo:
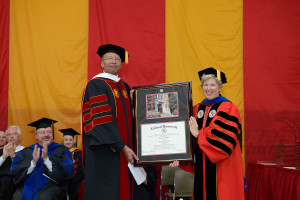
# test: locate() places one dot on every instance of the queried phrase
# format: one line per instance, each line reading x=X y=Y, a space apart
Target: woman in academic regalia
x=217 y=131
x=78 y=174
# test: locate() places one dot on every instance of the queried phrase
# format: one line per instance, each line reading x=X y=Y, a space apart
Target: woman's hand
x=174 y=164
x=194 y=127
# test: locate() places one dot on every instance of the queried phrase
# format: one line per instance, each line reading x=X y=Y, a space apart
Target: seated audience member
x=78 y=174
x=41 y=171
x=2 y=139
x=13 y=137
x=4 y=168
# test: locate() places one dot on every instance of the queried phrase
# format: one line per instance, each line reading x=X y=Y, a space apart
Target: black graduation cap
x=70 y=131
x=110 y=48
x=43 y=123
x=220 y=75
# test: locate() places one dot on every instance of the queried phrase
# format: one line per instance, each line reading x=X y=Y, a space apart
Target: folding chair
x=184 y=184
x=167 y=181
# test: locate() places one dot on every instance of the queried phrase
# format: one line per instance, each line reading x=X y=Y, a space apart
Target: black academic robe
x=78 y=175
x=106 y=125
x=146 y=192
x=36 y=186
x=5 y=167
x=6 y=183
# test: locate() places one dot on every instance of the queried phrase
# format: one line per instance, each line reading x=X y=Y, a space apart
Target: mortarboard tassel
x=126 y=57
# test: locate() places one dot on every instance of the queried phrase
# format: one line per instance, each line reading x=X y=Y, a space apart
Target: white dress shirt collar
x=108 y=76
x=19 y=148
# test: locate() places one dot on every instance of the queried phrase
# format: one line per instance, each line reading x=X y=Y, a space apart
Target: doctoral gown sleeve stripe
x=219 y=139
x=96 y=110
x=99 y=121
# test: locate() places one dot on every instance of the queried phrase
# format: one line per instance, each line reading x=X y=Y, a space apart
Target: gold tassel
x=218 y=75
x=126 y=57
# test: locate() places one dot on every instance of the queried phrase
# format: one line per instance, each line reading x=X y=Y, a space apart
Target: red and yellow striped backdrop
x=48 y=53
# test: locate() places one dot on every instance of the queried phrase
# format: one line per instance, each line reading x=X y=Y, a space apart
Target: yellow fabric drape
x=201 y=34
x=47 y=63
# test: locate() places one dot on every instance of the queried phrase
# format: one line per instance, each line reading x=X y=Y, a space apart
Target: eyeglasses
x=43 y=132
x=110 y=59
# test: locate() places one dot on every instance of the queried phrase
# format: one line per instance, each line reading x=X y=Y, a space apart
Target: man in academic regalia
x=41 y=171
x=4 y=166
x=2 y=139
x=13 y=137
x=107 y=130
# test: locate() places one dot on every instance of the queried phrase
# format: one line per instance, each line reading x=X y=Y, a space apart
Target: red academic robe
x=107 y=128
x=218 y=160
x=78 y=174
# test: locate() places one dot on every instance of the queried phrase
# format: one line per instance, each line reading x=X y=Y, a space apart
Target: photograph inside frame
x=162 y=105
x=161 y=115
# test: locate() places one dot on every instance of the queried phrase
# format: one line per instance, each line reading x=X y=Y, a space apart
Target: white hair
x=16 y=127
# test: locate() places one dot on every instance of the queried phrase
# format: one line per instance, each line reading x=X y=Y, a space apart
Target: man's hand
x=129 y=154
x=131 y=95
x=145 y=182
x=45 y=151
x=35 y=154
x=5 y=152
x=9 y=150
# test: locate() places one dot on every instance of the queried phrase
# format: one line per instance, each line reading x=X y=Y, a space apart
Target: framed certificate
x=161 y=116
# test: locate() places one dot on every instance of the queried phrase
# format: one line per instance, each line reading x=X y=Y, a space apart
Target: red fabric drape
x=287 y=184
x=4 y=60
x=138 y=27
x=272 y=182
x=271 y=75
x=259 y=178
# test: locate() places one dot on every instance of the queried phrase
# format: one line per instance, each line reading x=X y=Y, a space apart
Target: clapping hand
x=35 y=154
x=9 y=150
x=45 y=151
